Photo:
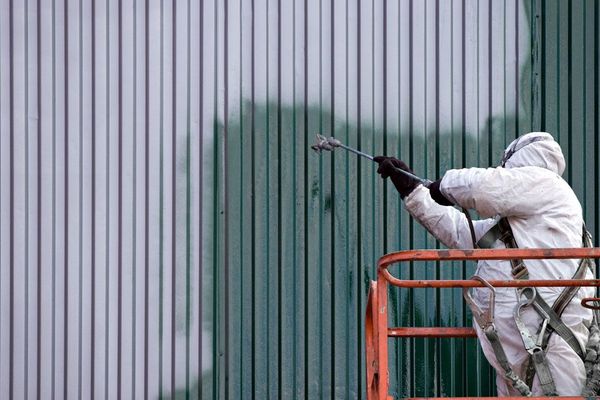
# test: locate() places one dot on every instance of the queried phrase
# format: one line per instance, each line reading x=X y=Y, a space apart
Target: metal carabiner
x=531 y=294
x=533 y=343
x=483 y=318
x=530 y=341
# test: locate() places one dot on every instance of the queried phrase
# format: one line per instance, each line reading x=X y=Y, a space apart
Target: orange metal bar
x=382 y=338
x=512 y=398
x=432 y=332
x=486 y=254
x=472 y=283
x=371 y=339
x=377 y=331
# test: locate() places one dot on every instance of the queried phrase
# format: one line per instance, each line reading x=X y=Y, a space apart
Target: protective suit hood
x=535 y=149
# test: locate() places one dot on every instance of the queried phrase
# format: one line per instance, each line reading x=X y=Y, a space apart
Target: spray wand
x=330 y=144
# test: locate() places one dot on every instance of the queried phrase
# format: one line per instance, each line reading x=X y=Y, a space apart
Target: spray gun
x=329 y=144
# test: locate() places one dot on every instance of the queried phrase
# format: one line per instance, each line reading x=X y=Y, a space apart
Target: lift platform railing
x=377 y=330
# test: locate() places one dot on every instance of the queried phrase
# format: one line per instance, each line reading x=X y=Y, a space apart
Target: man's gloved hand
x=404 y=184
x=436 y=194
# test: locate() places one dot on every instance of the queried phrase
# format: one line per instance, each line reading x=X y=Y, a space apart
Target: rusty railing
x=377 y=331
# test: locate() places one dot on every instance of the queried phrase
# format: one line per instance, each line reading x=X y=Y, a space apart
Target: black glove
x=436 y=194
x=387 y=167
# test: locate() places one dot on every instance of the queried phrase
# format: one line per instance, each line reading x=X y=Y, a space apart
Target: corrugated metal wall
x=165 y=230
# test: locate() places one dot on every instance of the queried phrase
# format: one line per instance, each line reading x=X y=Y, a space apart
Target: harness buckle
x=519 y=270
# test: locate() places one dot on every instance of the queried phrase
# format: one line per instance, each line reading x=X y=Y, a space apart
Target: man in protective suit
x=543 y=212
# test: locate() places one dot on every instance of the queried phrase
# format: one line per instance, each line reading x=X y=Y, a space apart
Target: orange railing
x=377 y=330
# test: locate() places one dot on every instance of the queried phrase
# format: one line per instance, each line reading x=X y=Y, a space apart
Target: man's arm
x=515 y=192
x=447 y=224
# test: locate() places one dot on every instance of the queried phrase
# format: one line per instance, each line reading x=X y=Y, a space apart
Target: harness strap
x=485 y=319
x=503 y=232
x=568 y=293
x=556 y=311
x=489 y=238
x=551 y=315
x=555 y=324
x=533 y=346
x=492 y=335
x=543 y=372
x=592 y=362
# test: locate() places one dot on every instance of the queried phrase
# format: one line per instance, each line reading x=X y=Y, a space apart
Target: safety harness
x=485 y=320
x=536 y=343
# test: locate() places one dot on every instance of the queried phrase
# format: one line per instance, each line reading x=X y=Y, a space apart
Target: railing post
x=371 y=343
x=382 y=337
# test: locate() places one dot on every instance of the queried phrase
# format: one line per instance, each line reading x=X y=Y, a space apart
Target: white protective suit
x=543 y=212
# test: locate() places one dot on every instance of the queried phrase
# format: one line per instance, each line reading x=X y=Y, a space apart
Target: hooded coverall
x=543 y=212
